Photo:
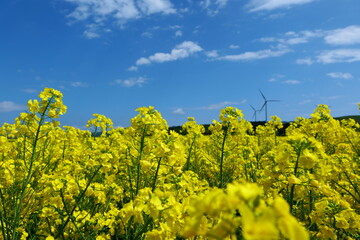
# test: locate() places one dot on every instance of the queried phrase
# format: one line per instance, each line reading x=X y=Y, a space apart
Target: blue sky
x=184 y=57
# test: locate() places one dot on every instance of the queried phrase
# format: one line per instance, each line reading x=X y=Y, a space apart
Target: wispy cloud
x=279 y=78
x=335 y=97
x=102 y=9
x=30 y=90
x=8 y=106
x=212 y=6
x=222 y=105
x=92 y=30
x=339 y=55
x=307 y=61
x=306 y=101
x=78 y=84
x=259 y=5
x=333 y=56
x=212 y=54
x=133 y=68
x=147 y=34
x=179 y=111
x=214 y=106
x=181 y=51
x=291 y=82
x=340 y=75
x=131 y=82
x=251 y=56
x=344 y=36
x=234 y=46
x=294 y=38
x=272 y=80
x=276 y=77
x=148 y=7
x=178 y=33
x=349 y=35
x=120 y=11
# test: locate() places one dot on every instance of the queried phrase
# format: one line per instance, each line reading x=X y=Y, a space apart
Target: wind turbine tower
x=255 y=111
x=265 y=104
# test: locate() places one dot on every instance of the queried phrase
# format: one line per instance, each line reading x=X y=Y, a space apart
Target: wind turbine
x=265 y=104
x=255 y=111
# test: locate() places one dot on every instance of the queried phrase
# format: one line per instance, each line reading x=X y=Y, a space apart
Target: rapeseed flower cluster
x=147 y=182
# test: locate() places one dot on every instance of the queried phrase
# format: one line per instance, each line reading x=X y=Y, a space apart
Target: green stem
x=311 y=196
x=138 y=172
x=156 y=175
x=130 y=183
x=292 y=191
x=353 y=146
x=29 y=173
x=2 y=215
x=187 y=165
x=357 y=200
x=352 y=184
x=221 y=185
x=82 y=194
x=71 y=218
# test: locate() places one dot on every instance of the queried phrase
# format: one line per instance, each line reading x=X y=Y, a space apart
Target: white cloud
x=8 y=106
x=100 y=9
x=130 y=82
x=205 y=3
x=212 y=54
x=339 y=55
x=276 y=77
x=178 y=33
x=147 y=34
x=183 y=50
x=279 y=78
x=273 y=79
x=344 y=36
x=276 y=15
x=156 y=6
x=219 y=105
x=297 y=40
x=90 y=35
x=259 y=5
x=233 y=46
x=268 y=39
x=132 y=68
x=143 y=61
x=340 y=75
x=179 y=111
x=331 y=97
x=120 y=11
x=307 y=61
x=294 y=38
x=174 y=27
x=250 y=56
x=212 y=6
x=30 y=90
x=291 y=82
x=92 y=31
x=222 y=105
x=306 y=101
x=78 y=84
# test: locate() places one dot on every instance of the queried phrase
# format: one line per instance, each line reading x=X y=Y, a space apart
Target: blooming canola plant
x=146 y=182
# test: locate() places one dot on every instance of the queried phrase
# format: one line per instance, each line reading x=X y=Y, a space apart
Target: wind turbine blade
x=263 y=106
x=262 y=95
x=274 y=100
x=252 y=107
